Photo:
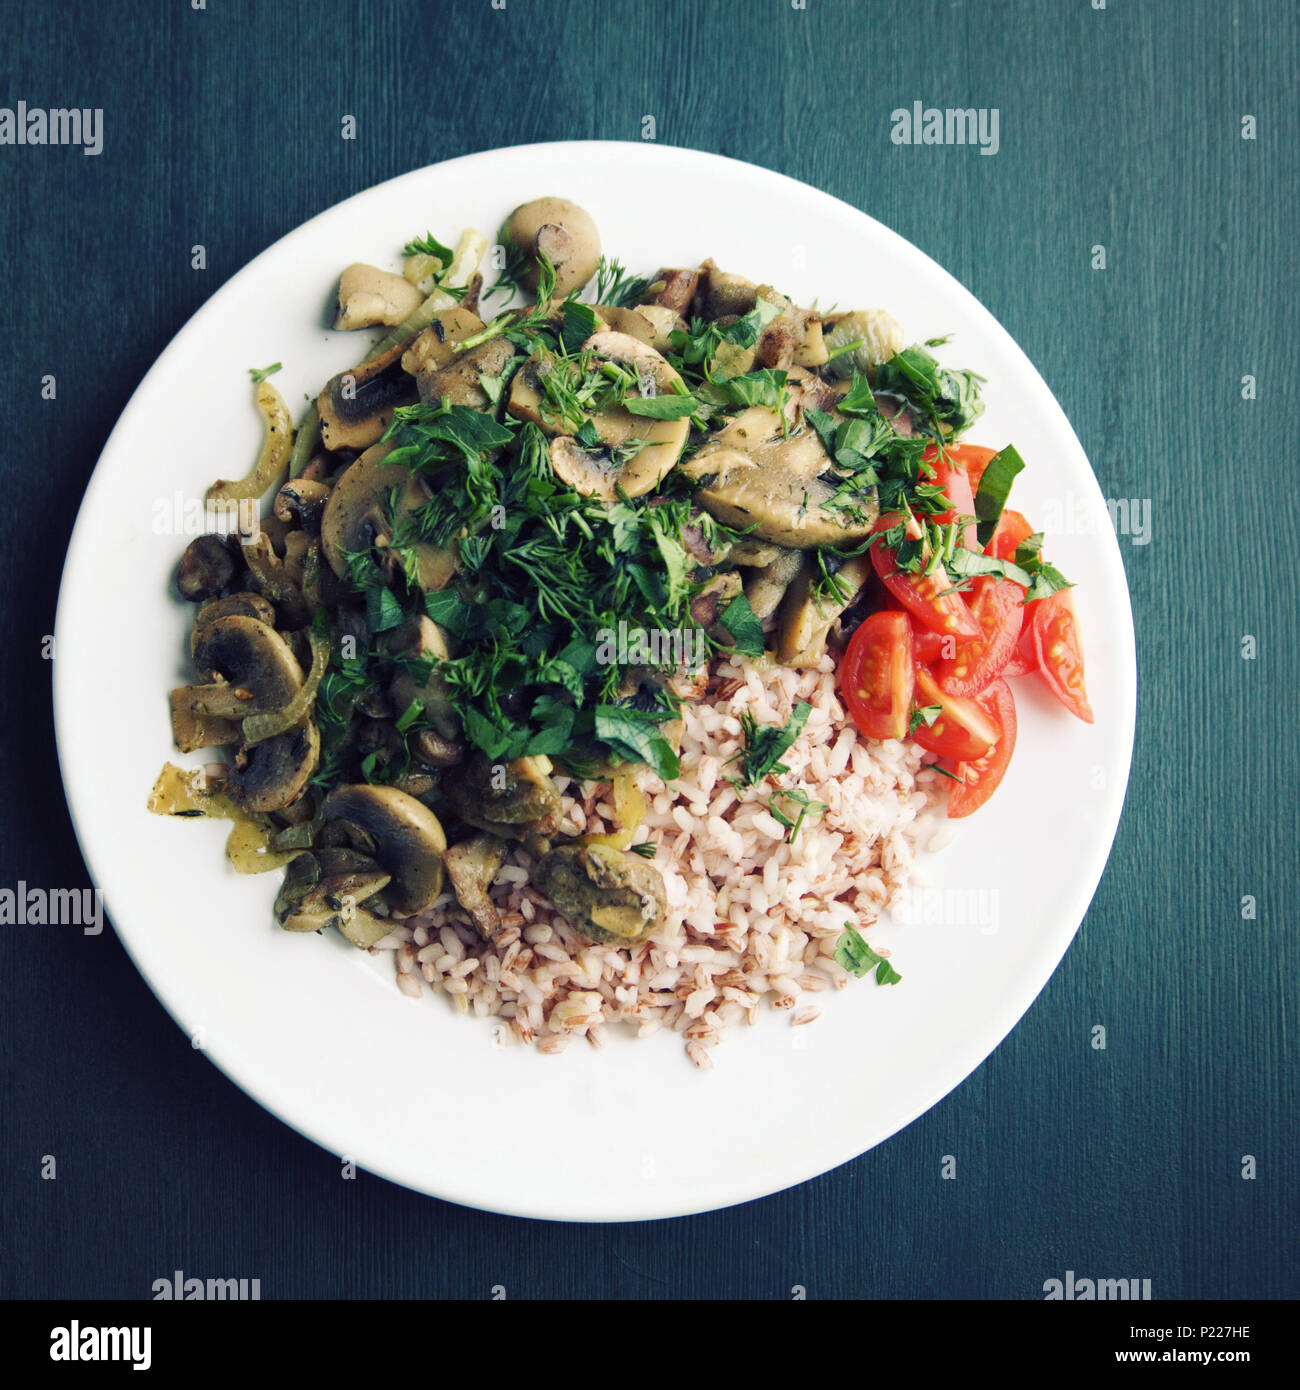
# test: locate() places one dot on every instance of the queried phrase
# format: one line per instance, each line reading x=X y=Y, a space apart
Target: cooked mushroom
x=461 y=380
x=471 y=867
x=303 y=501
x=722 y=295
x=778 y=505
x=357 y=406
x=407 y=838
x=806 y=615
x=564 y=233
x=879 y=333
x=767 y=588
x=257 y=669
x=604 y=893
x=356 y=516
x=636 y=453
x=513 y=800
x=435 y=348
x=244 y=604
x=272 y=774
x=335 y=888
x=413 y=644
x=369 y=296
x=673 y=289
x=714 y=597
x=207 y=567
x=430 y=749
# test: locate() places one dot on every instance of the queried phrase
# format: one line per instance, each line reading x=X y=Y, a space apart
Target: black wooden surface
x=1120 y=127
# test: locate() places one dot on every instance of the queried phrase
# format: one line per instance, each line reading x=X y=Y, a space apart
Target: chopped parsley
x=766 y=743
x=853 y=953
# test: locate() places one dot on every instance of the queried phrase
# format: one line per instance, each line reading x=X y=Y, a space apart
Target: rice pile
x=750 y=916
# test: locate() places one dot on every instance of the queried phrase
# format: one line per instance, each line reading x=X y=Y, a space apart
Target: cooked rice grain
x=751 y=917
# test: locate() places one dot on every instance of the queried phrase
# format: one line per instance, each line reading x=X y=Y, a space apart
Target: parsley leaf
x=853 y=953
x=765 y=744
x=747 y=632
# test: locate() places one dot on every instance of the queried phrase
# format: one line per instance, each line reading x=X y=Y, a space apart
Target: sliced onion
x=274 y=458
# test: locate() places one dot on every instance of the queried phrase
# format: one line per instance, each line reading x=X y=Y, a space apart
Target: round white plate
x=316 y=1031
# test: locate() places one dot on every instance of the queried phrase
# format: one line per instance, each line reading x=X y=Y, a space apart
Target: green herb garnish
x=853 y=953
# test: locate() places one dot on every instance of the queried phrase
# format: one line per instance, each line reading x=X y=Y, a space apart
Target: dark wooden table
x=1119 y=127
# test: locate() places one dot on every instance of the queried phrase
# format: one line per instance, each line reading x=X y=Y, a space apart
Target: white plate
x=316 y=1031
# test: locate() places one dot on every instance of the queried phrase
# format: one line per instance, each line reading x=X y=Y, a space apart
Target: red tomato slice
x=1023 y=659
x=876 y=677
x=981 y=777
x=1011 y=533
x=962 y=731
x=998 y=606
x=928 y=597
x=951 y=476
x=1059 y=651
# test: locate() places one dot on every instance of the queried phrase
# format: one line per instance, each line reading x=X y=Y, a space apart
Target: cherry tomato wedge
x=1011 y=533
x=974 y=458
x=1059 y=651
x=876 y=676
x=930 y=648
x=962 y=730
x=928 y=597
x=1023 y=659
x=981 y=777
x=998 y=606
x=951 y=476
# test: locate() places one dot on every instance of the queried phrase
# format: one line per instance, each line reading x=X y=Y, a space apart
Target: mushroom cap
x=562 y=231
x=597 y=472
x=775 y=504
x=251 y=655
x=604 y=893
x=408 y=838
x=356 y=514
x=369 y=296
x=272 y=774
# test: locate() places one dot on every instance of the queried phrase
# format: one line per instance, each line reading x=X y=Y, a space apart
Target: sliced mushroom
x=369 y=296
x=636 y=453
x=461 y=381
x=207 y=567
x=356 y=516
x=512 y=799
x=357 y=406
x=244 y=604
x=416 y=642
x=471 y=866
x=713 y=598
x=194 y=728
x=564 y=233
x=777 y=505
x=767 y=588
x=301 y=500
x=407 y=837
x=673 y=289
x=806 y=615
x=722 y=295
x=879 y=333
x=435 y=348
x=257 y=669
x=431 y=749
x=633 y=322
x=274 y=773
x=604 y=893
